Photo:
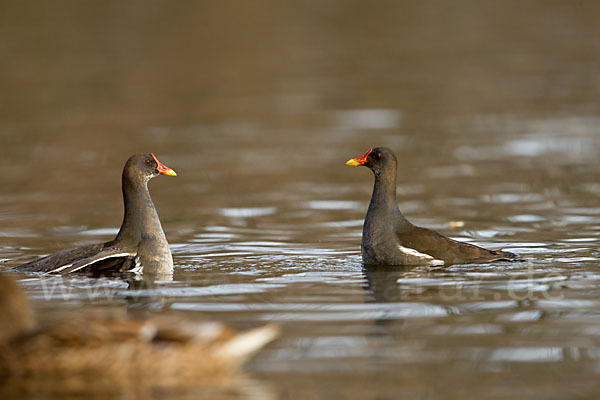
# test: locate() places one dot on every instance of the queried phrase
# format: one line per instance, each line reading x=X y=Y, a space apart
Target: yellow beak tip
x=352 y=162
x=171 y=173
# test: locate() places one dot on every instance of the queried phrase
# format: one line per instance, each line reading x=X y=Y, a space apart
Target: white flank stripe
x=59 y=269
x=424 y=257
x=100 y=259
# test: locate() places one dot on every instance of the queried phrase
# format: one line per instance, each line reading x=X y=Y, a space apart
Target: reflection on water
x=491 y=108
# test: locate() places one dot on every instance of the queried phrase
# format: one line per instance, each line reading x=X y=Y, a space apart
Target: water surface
x=492 y=110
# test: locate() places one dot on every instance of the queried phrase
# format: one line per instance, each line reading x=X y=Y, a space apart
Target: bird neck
x=140 y=216
x=383 y=198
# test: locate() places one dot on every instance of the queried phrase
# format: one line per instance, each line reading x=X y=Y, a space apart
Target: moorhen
x=390 y=239
x=109 y=349
x=140 y=244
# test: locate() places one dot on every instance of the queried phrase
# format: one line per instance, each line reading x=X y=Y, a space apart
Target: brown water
x=493 y=109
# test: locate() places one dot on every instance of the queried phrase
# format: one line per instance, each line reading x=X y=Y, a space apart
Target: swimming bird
x=108 y=350
x=388 y=238
x=140 y=244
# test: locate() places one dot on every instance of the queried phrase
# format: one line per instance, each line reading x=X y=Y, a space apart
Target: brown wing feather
x=89 y=258
x=56 y=260
x=443 y=248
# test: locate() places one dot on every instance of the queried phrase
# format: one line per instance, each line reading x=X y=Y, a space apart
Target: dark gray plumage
x=140 y=244
x=390 y=239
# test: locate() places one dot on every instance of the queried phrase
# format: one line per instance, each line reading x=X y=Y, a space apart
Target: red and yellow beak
x=162 y=168
x=359 y=160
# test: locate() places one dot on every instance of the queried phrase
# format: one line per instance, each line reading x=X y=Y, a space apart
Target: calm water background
x=493 y=109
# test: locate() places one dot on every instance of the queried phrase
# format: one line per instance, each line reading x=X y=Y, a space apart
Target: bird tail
x=245 y=344
x=508 y=256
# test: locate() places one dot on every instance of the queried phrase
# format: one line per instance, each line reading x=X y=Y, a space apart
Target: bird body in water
x=139 y=246
x=390 y=239
x=108 y=350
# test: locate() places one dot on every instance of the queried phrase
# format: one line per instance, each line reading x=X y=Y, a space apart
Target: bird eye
x=378 y=155
x=147 y=162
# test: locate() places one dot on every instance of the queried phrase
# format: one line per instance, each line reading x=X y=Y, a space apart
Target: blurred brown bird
x=108 y=352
